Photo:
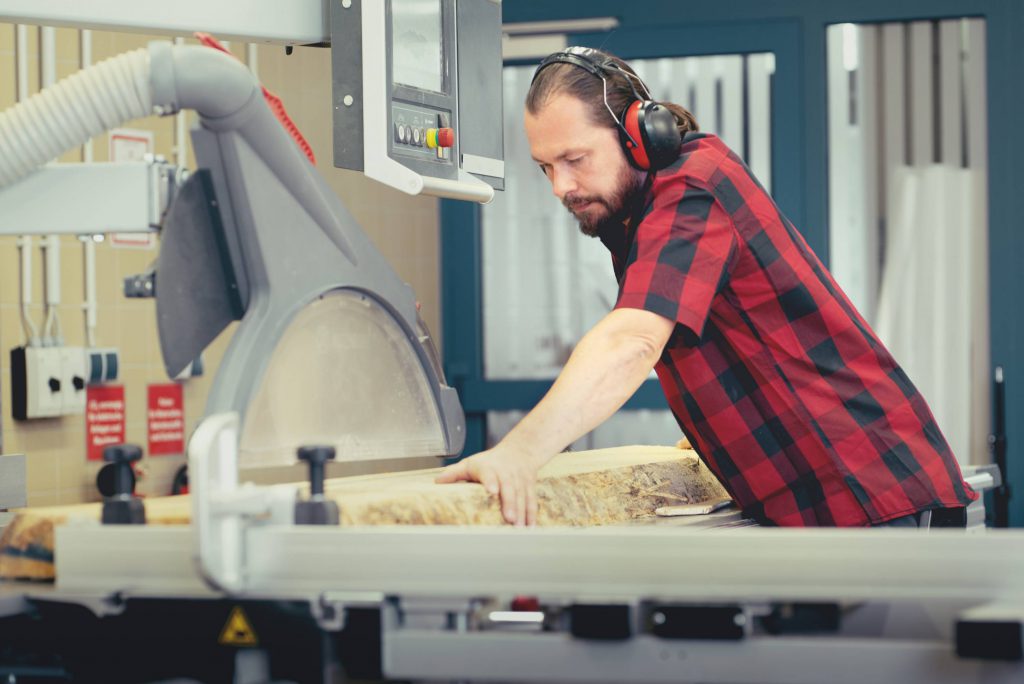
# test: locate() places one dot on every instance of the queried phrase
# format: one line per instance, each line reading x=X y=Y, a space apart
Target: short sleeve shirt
x=778 y=382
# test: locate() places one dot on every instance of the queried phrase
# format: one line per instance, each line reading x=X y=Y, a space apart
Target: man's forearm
x=603 y=372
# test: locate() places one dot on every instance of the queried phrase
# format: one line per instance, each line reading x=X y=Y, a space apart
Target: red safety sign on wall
x=104 y=418
x=166 y=419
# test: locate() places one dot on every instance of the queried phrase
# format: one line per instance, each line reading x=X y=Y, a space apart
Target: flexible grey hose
x=160 y=79
x=72 y=111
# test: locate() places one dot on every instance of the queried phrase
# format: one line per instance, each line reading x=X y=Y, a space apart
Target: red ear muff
x=653 y=128
x=636 y=152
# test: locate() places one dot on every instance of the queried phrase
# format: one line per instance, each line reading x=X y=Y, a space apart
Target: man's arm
x=605 y=369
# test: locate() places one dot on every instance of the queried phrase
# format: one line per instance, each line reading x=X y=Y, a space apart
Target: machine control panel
x=422 y=132
x=417 y=94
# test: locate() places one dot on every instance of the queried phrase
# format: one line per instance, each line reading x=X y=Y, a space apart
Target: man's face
x=584 y=161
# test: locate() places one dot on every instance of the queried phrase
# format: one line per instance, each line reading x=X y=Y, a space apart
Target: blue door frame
x=795 y=31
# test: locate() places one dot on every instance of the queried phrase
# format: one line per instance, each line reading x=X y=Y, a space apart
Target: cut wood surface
x=597 y=487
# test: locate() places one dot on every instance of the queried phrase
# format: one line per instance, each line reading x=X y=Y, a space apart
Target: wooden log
x=581 y=488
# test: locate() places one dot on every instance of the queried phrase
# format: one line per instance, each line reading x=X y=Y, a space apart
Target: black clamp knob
x=122 y=507
x=316 y=510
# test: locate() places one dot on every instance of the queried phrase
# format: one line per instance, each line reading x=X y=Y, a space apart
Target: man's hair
x=562 y=78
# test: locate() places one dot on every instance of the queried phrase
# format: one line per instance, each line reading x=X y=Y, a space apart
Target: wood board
x=583 y=488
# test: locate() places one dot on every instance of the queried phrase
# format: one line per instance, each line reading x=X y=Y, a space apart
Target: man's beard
x=607 y=211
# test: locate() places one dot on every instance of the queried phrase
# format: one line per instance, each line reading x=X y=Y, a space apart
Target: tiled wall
x=404 y=228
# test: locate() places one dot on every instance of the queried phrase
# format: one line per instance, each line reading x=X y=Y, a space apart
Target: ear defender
x=649 y=135
x=647 y=129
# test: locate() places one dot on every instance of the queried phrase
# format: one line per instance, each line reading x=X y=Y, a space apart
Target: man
x=776 y=380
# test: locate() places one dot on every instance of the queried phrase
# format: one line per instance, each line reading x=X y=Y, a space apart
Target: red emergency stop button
x=440 y=137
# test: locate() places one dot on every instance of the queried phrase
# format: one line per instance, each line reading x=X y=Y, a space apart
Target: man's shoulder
x=707 y=164
x=700 y=156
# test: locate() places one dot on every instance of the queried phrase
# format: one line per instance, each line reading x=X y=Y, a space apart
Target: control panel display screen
x=417 y=53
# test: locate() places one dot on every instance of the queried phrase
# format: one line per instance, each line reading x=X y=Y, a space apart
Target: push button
x=440 y=137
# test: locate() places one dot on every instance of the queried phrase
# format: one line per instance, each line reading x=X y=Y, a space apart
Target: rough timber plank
x=581 y=488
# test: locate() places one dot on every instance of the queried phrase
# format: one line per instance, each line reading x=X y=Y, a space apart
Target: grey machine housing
x=256 y=235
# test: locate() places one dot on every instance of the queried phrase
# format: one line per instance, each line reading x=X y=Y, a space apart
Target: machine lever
x=123 y=507
x=316 y=510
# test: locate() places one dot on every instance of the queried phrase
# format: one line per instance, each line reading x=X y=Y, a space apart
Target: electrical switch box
x=101 y=365
x=36 y=382
x=73 y=380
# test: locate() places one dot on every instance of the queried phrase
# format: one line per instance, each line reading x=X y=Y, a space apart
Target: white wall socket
x=72 y=380
x=43 y=379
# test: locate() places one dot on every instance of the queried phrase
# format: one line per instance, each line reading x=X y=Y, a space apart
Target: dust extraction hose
x=159 y=79
x=69 y=113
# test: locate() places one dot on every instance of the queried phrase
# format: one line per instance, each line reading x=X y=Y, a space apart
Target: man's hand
x=605 y=369
x=506 y=472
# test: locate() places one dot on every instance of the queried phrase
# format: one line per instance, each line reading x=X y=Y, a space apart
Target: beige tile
x=124 y=42
x=137 y=336
x=72 y=321
x=8 y=83
x=71 y=495
x=72 y=468
x=6 y=39
x=88 y=493
x=108 y=281
x=13 y=332
x=10 y=280
x=158 y=474
x=102 y=45
x=72 y=281
x=43 y=497
x=67 y=45
x=40 y=469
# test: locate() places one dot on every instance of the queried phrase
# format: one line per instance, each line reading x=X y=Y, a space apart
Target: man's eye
x=544 y=168
x=575 y=160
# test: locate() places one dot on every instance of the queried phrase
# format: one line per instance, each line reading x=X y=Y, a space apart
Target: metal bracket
x=122 y=197
x=223 y=510
x=330 y=608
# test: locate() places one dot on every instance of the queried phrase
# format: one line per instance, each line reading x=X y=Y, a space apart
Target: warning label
x=104 y=419
x=237 y=630
x=166 y=419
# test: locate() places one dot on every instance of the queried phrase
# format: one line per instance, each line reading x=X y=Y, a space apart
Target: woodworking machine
x=330 y=360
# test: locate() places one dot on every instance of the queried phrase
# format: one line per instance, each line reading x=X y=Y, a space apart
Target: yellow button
x=431 y=138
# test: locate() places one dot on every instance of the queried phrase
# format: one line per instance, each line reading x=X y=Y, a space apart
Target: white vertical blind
x=922 y=95
x=951 y=94
x=760 y=68
x=854 y=216
x=908 y=213
x=975 y=97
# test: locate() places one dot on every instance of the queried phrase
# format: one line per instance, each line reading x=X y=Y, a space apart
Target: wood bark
x=584 y=488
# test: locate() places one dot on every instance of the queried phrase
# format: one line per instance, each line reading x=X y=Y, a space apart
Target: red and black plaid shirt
x=779 y=384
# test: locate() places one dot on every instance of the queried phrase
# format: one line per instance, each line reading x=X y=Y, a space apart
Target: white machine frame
x=442 y=592
x=126 y=197
x=259 y=21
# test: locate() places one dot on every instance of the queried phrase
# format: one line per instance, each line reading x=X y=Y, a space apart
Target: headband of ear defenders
x=647 y=129
x=589 y=60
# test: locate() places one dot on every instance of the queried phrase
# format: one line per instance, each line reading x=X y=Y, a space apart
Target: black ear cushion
x=660 y=135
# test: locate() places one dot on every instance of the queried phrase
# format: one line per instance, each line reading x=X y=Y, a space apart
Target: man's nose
x=562 y=183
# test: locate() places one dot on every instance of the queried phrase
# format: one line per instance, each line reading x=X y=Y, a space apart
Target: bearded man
x=777 y=381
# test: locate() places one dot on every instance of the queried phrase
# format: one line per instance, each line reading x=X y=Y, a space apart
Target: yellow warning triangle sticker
x=237 y=631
